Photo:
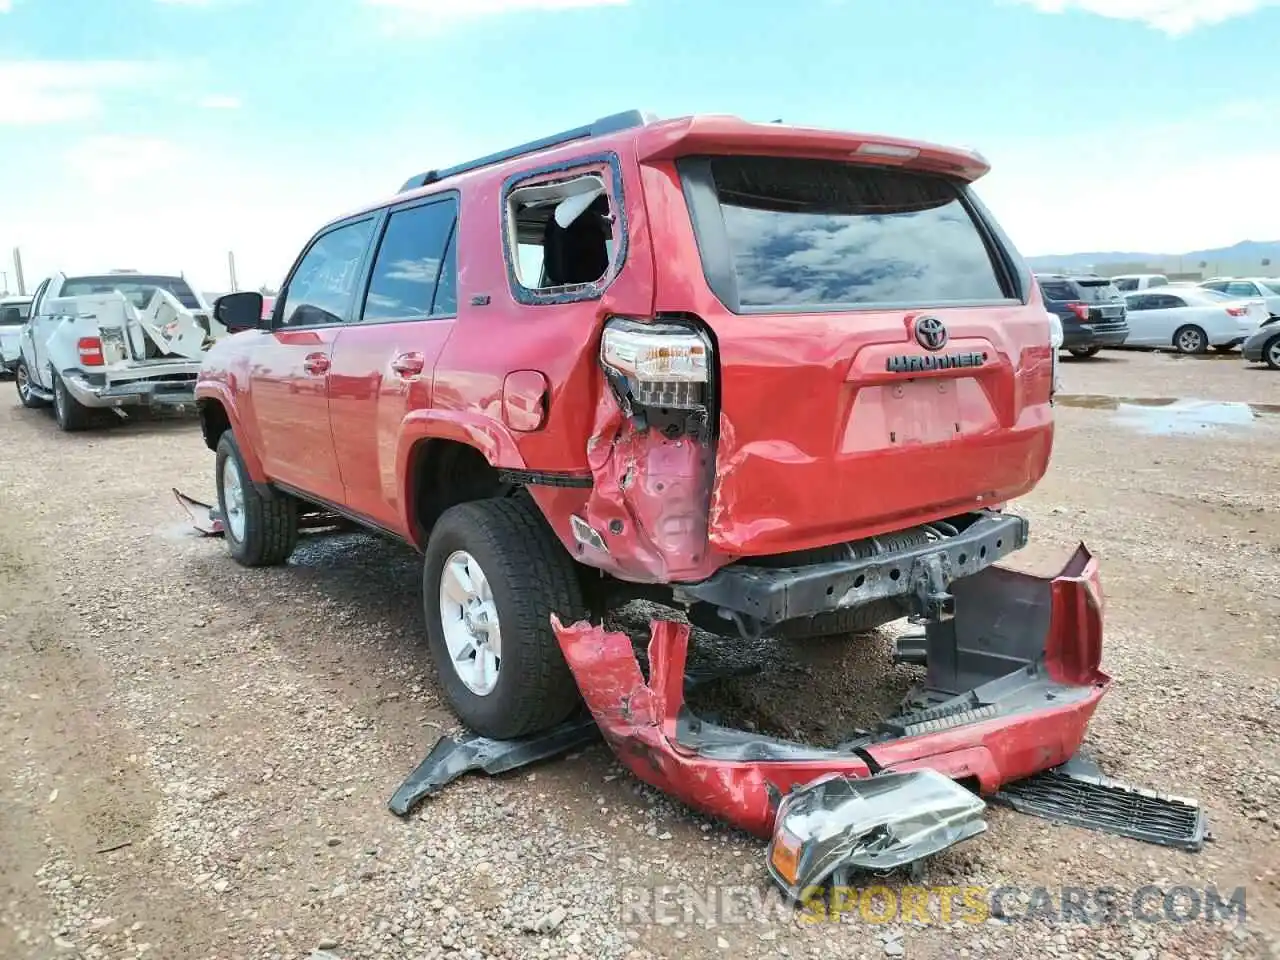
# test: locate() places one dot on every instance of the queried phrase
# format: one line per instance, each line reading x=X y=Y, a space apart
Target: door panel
x=383 y=363
x=290 y=375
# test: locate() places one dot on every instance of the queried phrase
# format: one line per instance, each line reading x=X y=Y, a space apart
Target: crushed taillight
x=1081 y=310
x=90 y=350
x=663 y=365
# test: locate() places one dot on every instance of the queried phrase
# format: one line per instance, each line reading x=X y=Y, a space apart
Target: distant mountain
x=1247 y=256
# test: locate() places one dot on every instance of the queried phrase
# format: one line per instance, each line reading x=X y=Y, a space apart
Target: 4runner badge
x=931 y=333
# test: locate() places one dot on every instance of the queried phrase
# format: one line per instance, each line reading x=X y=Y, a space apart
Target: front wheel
x=22 y=378
x=493 y=575
x=1190 y=340
x=70 y=413
x=261 y=529
x=1271 y=352
x=1083 y=353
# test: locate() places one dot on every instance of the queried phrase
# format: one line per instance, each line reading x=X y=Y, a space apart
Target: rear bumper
x=1012 y=683
x=1091 y=335
x=172 y=385
x=774 y=594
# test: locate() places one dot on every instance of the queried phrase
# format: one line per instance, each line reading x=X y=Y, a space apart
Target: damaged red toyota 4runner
x=780 y=379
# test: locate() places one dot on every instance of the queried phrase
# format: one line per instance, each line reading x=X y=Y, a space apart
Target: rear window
x=138 y=288
x=14 y=314
x=1092 y=291
x=820 y=234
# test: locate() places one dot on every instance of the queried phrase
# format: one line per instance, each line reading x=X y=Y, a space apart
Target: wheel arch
x=218 y=414
x=446 y=458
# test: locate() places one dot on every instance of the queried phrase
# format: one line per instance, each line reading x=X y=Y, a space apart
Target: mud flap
x=206 y=520
x=452 y=757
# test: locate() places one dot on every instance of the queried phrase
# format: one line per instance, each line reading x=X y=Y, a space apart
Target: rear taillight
x=90 y=350
x=1237 y=311
x=664 y=365
x=1081 y=310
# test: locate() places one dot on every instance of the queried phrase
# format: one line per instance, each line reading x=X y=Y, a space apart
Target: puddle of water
x=1167 y=415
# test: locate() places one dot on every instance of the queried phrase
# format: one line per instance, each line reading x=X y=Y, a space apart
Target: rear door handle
x=408 y=364
x=316 y=363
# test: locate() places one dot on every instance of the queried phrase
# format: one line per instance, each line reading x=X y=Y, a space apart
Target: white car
x=1130 y=282
x=13 y=317
x=1191 y=319
x=1249 y=288
x=110 y=342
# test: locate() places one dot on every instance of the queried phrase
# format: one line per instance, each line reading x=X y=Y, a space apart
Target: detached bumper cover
x=1012 y=682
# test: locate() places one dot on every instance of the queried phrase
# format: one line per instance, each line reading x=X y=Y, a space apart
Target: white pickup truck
x=112 y=341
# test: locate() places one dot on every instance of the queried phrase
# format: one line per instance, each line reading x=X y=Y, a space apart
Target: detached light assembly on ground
x=837 y=824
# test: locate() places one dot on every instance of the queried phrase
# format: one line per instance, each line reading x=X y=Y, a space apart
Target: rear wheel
x=261 y=529
x=1190 y=339
x=1271 y=352
x=1082 y=353
x=494 y=573
x=67 y=410
x=22 y=378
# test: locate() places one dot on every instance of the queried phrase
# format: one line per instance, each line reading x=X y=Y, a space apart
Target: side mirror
x=240 y=311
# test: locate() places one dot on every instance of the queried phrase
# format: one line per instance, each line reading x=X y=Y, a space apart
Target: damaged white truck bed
x=118 y=341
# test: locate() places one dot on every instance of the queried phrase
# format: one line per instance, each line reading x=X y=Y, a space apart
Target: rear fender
x=491 y=438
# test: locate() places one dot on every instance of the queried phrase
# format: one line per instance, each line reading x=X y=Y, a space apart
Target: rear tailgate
x=879 y=364
x=1105 y=302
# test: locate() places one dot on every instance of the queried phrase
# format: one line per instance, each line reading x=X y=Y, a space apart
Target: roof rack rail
x=605 y=125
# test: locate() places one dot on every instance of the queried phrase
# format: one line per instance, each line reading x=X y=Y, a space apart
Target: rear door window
x=1130 y=283
x=799 y=234
x=1057 y=290
x=413 y=273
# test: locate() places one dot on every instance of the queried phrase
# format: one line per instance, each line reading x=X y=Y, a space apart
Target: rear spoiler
x=712 y=135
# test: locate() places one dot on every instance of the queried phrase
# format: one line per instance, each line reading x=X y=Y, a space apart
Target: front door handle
x=316 y=363
x=408 y=364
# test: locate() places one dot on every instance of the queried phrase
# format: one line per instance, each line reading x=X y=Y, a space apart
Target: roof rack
x=605 y=125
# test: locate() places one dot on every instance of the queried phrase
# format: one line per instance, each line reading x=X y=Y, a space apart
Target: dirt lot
x=196 y=758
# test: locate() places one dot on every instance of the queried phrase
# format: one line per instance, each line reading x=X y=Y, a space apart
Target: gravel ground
x=196 y=758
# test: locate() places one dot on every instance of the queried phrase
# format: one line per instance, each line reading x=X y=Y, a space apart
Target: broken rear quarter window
x=825 y=234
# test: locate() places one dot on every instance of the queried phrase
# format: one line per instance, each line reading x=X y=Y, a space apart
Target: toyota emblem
x=930 y=333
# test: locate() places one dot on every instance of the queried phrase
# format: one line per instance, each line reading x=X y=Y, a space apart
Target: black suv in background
x=1091 y=309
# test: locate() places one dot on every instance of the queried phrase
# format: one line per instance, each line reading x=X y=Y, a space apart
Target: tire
x=1083 y=353
x=1190 y=340
x=67 y=410
x=1271 y=352
x=520 y=574
x=266 y=531
x=22 y=379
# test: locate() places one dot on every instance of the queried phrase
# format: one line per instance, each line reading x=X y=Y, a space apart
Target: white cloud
x=6 y=6
x=108 y=164
x=56 y=91
x=216 y=101
x=438 y=12
x=1174 y=17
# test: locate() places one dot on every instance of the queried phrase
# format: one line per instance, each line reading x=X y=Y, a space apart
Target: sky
x=160 y=134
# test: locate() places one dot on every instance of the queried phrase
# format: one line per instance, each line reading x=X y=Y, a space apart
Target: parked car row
x=110 y=341
x=1147 y=310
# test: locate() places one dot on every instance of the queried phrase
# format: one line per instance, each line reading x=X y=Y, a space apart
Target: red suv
x=780 y=378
